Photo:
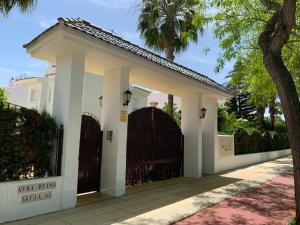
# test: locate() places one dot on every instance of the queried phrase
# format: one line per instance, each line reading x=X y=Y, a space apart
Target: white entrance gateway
x=76 y=47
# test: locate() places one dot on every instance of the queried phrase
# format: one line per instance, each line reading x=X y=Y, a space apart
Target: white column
x=210 y=132
x=192 y=131
x=113 y=171
x=67 y=109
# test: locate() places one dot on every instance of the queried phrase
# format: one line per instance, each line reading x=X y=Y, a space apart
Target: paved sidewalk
x=168 y=201
x=267 y=204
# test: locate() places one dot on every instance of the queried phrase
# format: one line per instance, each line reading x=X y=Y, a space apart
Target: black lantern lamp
x=202 y=113
x=127 y=97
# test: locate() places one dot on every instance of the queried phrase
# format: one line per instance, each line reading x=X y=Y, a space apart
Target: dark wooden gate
x=89 y=169
x=154 y=147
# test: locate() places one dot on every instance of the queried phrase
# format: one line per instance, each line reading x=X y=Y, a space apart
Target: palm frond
x=23 y=5
x=169 y=24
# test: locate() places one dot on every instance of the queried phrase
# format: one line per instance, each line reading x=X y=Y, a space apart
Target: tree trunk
x=291 y=110
x=171 y=105
x=274 y=37
x=272 y=111
x=170 y=56
x=260 y=111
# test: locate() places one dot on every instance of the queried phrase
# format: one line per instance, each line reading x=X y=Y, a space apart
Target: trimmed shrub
x=270 y=141
x=276 y=142
x=26 y=142
x=241 y=141
x=284 y=141
x=255 y=142
x=267 y=142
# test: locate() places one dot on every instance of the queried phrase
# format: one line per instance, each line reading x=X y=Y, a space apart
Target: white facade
x=93 y=63
x=38 y=93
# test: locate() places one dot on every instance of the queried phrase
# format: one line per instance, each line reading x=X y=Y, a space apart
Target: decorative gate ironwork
x=90 y=153
x=154 y=147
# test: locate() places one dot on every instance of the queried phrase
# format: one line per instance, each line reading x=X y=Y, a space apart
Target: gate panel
x=89 y=169
x=154 y=147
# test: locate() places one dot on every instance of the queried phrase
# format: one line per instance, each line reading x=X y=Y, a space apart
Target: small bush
x=267 y=142
x=275 y=142
x=241 y=141
x=255 y=142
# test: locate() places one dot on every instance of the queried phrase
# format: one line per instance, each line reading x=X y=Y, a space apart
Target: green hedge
x=26 y=141
x=245 y=143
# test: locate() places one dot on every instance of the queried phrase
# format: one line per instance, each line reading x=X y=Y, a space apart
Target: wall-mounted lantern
x=109 y=135
x=100 y=100
x=127 y=97
x=202 y=113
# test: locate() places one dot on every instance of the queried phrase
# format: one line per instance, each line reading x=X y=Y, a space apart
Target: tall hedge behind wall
x=255 y=142
x=26 y=141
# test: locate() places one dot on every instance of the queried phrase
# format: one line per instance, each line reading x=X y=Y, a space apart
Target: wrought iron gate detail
x=154 y=147
x=90 y=152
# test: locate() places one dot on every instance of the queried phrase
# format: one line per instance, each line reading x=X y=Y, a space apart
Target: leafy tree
x=239 y=105
x=168 y=26
x=227 y=122
x=250 y=75
x=238 y=25
x=23 y=5
x=176 y=113
x=3 y=97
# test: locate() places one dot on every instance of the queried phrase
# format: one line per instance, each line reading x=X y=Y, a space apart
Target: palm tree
x=23 y=5
x=168 y=26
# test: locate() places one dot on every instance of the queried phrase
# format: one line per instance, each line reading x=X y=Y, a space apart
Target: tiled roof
x=24 y=78
x=94 y=31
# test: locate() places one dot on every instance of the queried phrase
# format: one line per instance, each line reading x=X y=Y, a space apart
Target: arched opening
x=154 y=147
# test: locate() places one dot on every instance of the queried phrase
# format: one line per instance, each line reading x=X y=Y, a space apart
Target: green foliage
x=256 y=142
x=250 y=78
x=23 y=5
x=227 y=122
x=238 y=25
x=176 y=113
x=267 y=141
x=3 y=97
x=239 y=105
x=245 y=142
x=170 y=25
x=292 y=222
x=241 y=141
x=26 y=141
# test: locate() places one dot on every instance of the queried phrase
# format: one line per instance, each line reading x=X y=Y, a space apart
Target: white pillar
x=67 y=109
x=113 y=168
x=210 y=132
x=192 y=131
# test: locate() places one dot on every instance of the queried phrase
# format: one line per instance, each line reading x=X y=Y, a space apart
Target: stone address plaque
x=36 y=187
x=36 y=197
x=226 y=145
x=39 y=191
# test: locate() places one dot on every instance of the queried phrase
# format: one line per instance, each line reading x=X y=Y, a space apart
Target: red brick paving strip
x=270 y=203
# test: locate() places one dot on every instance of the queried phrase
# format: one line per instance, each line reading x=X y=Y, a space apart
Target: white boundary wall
x=230 y=161
x=11 y=206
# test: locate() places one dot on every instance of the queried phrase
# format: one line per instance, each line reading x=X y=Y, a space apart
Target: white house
x=79 y=49
x=38 y=93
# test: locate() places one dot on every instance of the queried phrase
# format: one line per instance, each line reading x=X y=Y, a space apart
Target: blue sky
x=118 y=15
